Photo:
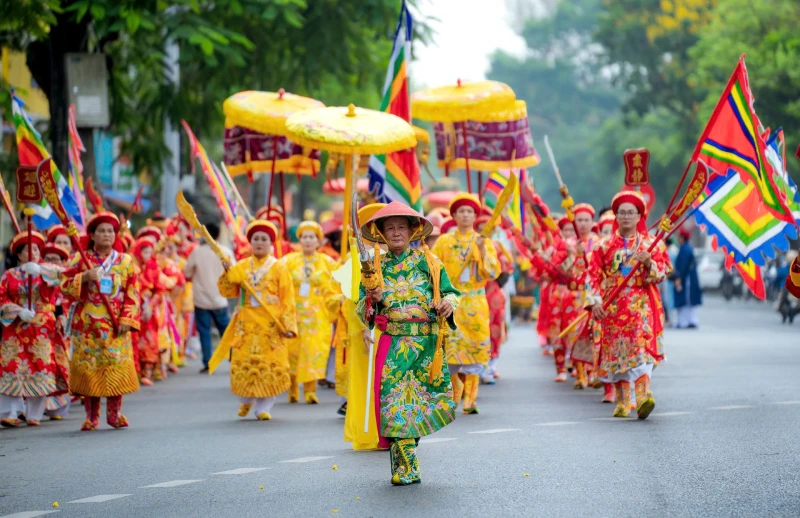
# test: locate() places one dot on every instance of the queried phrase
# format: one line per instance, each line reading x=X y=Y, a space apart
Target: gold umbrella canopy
x=265 y=112
x=350 y=130
x=463 y=101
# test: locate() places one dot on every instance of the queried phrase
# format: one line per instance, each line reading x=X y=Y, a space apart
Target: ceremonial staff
x=567 y=203
x=50 y=191
x=236 y=192
x=371 y=279
x=186 y=210
x=666 y=228
x=7 y=205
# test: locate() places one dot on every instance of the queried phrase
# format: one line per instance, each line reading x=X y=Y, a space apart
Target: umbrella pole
x=348 y=199
x=480 y=187
x=272 y=173
x=466 y=156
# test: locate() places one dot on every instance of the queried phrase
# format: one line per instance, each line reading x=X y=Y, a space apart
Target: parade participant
x=254 y=341
x=151 y=319
x=203 y=269
x=606 y=223
x=102 y=363
x=57 y=407
x=180 y=296
x=57 y=234
x=332 y=235
x=184 y=304
x=496 y=299
x=413 y=393
x=28 y=367
x=687 y=294
x=274 y=214
x=471 y=261
x=317 y=299
x=632 y=326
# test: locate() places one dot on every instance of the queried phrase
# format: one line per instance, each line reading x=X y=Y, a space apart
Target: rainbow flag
x=74 y=150
x=396 y=176
x=31 y=151
x=220 y=189
x=514 y=212
x=732 y=139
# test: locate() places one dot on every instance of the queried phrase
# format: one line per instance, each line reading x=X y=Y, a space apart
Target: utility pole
x=171 y=168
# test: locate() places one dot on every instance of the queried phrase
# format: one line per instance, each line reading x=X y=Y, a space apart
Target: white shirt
x=205 y=268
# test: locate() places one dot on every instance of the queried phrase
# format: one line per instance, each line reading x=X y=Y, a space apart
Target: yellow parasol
x=457 y=104
x=255 y=123
x=350 y=130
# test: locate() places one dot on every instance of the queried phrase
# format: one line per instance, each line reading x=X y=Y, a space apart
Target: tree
x=225 y=46
x=767 y=33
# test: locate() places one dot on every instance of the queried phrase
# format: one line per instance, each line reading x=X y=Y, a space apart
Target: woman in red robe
x=28 y=367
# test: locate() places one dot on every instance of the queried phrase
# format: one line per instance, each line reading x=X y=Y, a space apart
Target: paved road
x=722 y=441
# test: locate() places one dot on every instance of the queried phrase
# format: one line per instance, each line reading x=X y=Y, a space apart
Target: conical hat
x=392 y=210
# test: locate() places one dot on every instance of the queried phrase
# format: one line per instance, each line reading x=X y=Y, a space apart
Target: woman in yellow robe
x=256 y=337
x=471 y=262
x=317 y=297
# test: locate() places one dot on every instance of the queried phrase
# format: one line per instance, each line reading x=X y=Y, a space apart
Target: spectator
x=688 y=296
x=204 y=269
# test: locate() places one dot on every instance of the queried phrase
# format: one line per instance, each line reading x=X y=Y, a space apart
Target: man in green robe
x=413 y=309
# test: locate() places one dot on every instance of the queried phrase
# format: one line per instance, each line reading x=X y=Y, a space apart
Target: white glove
x=27 y=315
x=32 y=268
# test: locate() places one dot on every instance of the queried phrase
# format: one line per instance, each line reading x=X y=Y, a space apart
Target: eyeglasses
x=628 y=213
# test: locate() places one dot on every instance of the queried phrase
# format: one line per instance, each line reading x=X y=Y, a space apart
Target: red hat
x=55 y=231
x=261 y=225
x=480 y=220
x=607 y=217
x=685 y=233
x=139 y=245
x=563 y=221
x=262 y=213
x=635 y=198
x=151 y=232
x=127 y=240
x=371 y=228
x=52 y=248
x=21 y=240
x=159 y=221
x=585 y=208
x=447 y=225
x=470 y=200
x=102 y=217
x=329 y=226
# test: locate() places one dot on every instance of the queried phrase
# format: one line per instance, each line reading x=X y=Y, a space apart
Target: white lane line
x=558 y=423
x=731 y=407
x=305 y=459
x=670 y=414
x=97 y=499
x=785 y=403
x=629 y=418
x=173 y=483
x=239 y=471
x=437 y=439
x=497 y=430
x=28 y=514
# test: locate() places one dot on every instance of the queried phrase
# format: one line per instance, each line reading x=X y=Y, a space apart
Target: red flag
x=93 y=197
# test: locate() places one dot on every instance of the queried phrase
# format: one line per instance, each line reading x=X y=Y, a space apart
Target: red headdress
x=447 y=225
x=583 y=208
x=260 y=225
x=55 y=231
x=52 y=248
x=635 y=198
x=102 y=217
x=20 y=241
x=462 y=199
x=151 y=232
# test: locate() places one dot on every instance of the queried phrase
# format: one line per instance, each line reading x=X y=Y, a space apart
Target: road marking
x=306 y=459
x=670 y=414
x=785 y=403
x=497 y=430
x=173 y=483
x=28 y=514
x=558 y=423
x=239 y=471
x=97 y=499
x=437 y=439
x=631 y=418
x=731 y=407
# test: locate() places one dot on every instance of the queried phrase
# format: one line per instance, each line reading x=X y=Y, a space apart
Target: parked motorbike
x=731 y=284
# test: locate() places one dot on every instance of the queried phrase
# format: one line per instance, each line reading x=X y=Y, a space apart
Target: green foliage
x=602 y=76
x=334 y=50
